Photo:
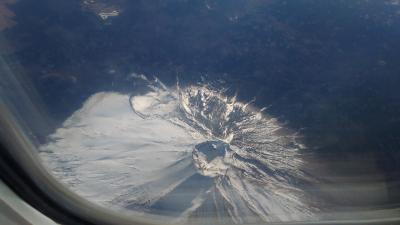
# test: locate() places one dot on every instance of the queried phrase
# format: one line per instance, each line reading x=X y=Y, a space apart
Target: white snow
x=104 y=148
x=141 y=152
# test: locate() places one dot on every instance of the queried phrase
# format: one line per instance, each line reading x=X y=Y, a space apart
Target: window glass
x=235 y=111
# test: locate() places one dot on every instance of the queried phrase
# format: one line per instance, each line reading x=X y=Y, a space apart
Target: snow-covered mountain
x=185 y=152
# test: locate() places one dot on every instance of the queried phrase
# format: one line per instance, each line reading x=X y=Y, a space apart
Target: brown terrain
x=6 y=15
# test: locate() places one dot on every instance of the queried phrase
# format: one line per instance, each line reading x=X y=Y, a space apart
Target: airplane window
x=210 y=112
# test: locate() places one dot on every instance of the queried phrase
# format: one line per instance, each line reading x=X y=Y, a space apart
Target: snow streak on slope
x=187 y=152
